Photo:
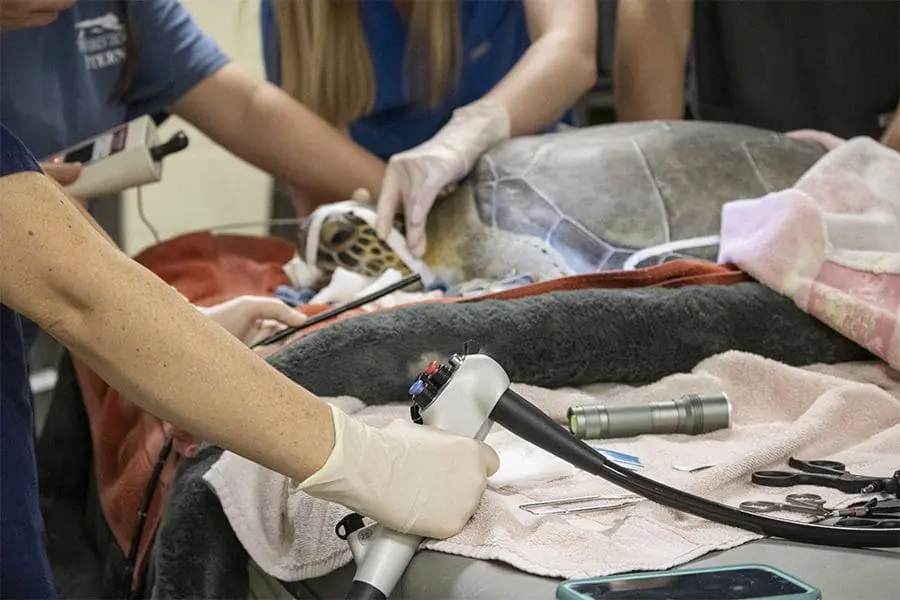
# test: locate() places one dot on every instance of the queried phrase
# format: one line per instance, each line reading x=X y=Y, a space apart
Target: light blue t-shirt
x=494 y=38
x=57 y=81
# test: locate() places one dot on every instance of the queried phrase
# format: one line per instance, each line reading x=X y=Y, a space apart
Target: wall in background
x=205 y=186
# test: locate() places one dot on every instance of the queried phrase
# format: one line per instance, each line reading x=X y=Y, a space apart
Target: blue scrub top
x=494 y=37
x=56 y=81
x=24 y=566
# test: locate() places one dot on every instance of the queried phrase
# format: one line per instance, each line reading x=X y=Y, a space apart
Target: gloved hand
x=252 y=318
x=415 y=178
x=408 y=477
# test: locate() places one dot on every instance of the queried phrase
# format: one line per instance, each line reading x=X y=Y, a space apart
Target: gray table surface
x=840 y=574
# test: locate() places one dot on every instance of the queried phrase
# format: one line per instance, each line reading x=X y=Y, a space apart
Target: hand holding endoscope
x=453 y=396
x=467 y=394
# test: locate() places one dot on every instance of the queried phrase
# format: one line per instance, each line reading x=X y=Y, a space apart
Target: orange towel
x=209 y=269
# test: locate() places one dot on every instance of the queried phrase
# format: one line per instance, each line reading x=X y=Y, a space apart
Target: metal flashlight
x=689 y=414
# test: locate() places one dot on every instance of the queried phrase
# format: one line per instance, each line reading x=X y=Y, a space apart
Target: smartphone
x=737 y=582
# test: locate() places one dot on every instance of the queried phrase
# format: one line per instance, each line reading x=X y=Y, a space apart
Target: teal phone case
x=564 y=590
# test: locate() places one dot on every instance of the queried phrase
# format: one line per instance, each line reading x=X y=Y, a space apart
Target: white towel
x=847 y=412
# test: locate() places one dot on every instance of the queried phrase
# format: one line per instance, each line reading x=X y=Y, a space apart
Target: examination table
x=840 y=573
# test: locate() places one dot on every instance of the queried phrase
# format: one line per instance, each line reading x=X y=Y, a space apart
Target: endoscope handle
x=382 y=556
x=458 y=397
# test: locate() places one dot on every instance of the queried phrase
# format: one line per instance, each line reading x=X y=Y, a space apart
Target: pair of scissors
x=807 y=504
x=824 y=473
x=873 y=513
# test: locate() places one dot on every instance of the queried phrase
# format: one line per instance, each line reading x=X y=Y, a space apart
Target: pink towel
x=778 y=412
x=828 y=140
x=831 y=243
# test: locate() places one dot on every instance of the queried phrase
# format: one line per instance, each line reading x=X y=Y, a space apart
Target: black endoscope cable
x=525 y=420
x=339 y=310
x=137 y=538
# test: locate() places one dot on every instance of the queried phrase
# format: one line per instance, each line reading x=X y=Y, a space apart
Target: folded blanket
x=632 y=336
x=779 y=411
x=562 y=338
x=672 y=274
x=831 y=243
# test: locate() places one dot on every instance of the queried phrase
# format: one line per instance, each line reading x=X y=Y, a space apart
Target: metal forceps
x=807 y=504
x=559 y=507
x=824 y=473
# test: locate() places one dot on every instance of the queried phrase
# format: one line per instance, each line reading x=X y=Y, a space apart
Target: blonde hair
x=326 y=64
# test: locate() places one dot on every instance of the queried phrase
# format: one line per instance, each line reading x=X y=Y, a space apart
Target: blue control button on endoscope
x=417 y=387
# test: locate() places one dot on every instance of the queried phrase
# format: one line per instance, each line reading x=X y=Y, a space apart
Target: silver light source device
x=691 y=414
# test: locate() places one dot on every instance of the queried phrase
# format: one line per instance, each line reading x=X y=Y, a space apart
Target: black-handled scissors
x=824 y=473
x=871 y=514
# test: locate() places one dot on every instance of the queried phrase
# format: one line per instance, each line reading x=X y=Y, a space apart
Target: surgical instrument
x=808 y=504
x=338 y=310
x=826 y=473
x=557 y=507
x=692 y=468
x=874 y=513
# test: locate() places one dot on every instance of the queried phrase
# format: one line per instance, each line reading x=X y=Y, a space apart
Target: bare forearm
x=268 y=129
x=652 y=39
x=82 y=210
x=891 y=137
x=145 y=340
x=546 y=82
x=559 y=66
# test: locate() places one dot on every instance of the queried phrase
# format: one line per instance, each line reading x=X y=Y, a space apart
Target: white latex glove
x=415 y=178
x=408 y=477
x=252 y=318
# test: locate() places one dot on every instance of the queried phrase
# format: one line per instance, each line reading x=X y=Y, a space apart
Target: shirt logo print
x=101 y=41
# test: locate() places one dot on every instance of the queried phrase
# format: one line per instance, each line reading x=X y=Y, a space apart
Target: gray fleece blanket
x=558 y=339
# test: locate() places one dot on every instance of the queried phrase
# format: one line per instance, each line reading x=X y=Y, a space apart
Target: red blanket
x=210 y=269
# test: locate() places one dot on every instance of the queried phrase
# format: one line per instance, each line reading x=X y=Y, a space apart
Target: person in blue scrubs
x=136 y=332
x=520 y=66
x=24 y=568
x=101 y=63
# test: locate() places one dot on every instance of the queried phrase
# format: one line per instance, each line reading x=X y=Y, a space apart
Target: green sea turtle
x=583 y=200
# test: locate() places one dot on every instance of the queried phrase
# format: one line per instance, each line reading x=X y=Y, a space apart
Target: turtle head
x=347 y=241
